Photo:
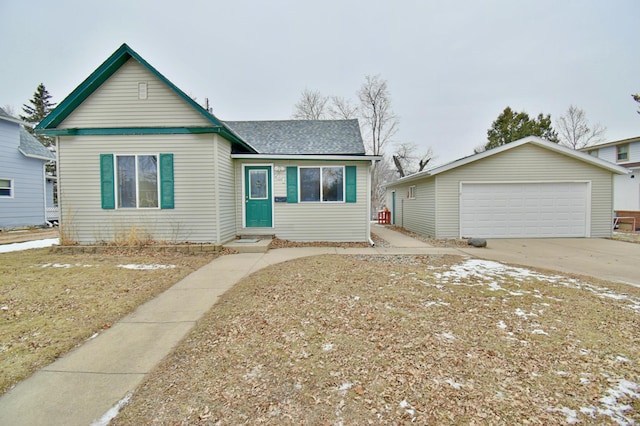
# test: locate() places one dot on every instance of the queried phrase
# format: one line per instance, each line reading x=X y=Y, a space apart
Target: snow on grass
x=6 y=248
x=112 y=412
x=146 y=267
x=610 y=405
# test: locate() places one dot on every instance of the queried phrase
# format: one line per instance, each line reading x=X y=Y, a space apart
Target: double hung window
x=6 y=188
x=322 y=184
x=137 y=181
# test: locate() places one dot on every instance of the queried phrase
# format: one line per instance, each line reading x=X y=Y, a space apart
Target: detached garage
x=530 y=188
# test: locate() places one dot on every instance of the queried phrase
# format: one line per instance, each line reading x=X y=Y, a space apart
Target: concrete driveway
x=600 y=258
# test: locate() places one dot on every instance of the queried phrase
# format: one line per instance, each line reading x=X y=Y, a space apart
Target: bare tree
x=377 y=115
x=636 y=97
x=311 y=106
x=342 y=109
x=576 y=132
x=408 y=161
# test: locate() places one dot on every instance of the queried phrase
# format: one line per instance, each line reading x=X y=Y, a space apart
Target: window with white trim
x=6 y=188
x=322 y=184
x=622 y=152
x=137 y=181
x=412 y=192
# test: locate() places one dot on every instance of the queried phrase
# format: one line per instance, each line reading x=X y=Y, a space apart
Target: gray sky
x=451 y=67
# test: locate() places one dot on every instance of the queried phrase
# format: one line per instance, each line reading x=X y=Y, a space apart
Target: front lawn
x=51 y=303
x=403 y=339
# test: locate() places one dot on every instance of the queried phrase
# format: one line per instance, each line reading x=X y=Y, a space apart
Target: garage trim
x=588 y=206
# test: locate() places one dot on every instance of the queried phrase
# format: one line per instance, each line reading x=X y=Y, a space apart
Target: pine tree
x=40 y=107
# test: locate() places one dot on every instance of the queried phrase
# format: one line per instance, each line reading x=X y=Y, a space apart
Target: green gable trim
x=131 y=131
x=292 y=184
x=107 y=184
x=350 y=183
x=166 y=181
x=106 y=70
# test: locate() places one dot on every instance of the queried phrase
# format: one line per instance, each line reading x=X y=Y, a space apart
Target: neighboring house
x=138 y=158
x=530 y=188
x=625 y=153
x=23 y=197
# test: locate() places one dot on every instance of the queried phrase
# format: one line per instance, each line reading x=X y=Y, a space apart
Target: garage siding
x=524 y=163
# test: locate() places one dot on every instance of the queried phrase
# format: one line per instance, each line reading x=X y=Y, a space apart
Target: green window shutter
x=350 y=183
x=292 y=184
x=107 y=185
x=166 y=181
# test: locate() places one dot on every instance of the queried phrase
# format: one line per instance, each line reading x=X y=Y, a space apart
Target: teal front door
x=257 y=197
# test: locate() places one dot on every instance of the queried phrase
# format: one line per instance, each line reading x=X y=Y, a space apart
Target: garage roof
x=560 y=149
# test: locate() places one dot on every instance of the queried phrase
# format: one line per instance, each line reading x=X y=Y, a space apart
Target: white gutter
x=306 y=157
x=369 y=204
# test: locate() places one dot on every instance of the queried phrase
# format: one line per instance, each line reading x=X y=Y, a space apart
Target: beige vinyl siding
x=226 y=205
x=193 y=218
x=416 y=214
x=341 y=222
x=526 y=162
x=115 y=104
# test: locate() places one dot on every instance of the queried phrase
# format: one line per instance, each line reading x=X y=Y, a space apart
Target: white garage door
x=524 y=210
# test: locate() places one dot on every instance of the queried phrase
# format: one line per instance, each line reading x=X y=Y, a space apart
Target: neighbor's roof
x=6 y=117
x=301 y=137
x=32 y=147
x=612 y=143
x=531 y=140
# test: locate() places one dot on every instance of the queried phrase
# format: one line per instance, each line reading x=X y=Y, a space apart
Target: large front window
x=322 y=184
x=137 y=185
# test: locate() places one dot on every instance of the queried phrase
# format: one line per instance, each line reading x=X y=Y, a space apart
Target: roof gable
x=106 y=70
x=302 y=137
x=7 y=117
x=635 y=139
x=551 y=146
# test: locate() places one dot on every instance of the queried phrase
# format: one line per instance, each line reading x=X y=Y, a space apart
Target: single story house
x=138 y=159
x=23 y=179
x=625 y=153
x=530 y=188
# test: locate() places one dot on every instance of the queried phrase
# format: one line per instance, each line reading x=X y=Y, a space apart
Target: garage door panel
x=512 y=210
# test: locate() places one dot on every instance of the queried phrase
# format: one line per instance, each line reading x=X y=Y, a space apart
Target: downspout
x=369 y=204
x=44 y=193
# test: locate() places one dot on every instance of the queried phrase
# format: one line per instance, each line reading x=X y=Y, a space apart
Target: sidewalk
x=79 y=388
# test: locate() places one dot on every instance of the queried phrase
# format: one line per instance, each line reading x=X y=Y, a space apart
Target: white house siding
x=115 y=103
x=340 y=222
x=626 y=191
x=26 y=206
x=524 y=163
x=193 y=218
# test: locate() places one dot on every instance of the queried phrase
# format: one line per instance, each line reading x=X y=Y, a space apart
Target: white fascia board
x=306 y=157
x=37 y=157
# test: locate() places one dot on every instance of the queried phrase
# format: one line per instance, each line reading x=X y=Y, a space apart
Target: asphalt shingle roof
x=32 y=146
x=301 y=137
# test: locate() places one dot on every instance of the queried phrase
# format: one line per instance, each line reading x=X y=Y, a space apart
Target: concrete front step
x=249 y=245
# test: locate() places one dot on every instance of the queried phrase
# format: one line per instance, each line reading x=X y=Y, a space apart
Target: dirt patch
x=448 y=242
x=401 y=340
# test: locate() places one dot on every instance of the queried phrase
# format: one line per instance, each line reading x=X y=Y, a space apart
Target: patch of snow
x=538 y=331
x=502 y=325
x=327 y=347
x=446 y=335
x=519 y=312
x=345 y=387
x=7 y=248
x=571 y=415
x=622 y=359
x=408 y=408
x=584 y=381
x=454 y=384
x=610 y=406
x=112 y=412
x=146 y=267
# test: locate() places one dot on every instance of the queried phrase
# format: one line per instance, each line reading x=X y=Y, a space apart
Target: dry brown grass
x=400 y=340
x=51 y=303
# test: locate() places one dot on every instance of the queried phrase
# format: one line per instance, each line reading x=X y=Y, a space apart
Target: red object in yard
x=384 y=217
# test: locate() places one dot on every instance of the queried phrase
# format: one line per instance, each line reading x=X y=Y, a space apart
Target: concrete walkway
x=81 y=387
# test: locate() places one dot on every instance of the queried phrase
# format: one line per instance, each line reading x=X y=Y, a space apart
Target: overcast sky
x=451 y=66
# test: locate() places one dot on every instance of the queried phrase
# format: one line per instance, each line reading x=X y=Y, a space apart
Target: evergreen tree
x=39 y=108
x=512 y=125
